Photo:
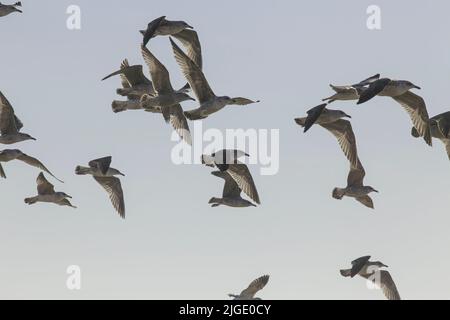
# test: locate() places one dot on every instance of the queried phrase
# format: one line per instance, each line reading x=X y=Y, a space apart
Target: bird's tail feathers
x=300 y=121
x=346 y=272
x=30 y=200
x=82 y=170
x=338 y=193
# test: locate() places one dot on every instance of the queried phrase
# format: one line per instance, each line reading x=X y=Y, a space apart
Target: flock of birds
x=156 y=95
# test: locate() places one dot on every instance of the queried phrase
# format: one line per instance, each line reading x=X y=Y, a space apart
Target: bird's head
x=186 y=25
x=344 y=115
x=28 y=137
x=380 y=264
x=410 y=85
x=371 y=189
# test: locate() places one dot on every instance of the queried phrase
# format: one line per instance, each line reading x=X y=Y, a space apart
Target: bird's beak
x=121 y=174
x=190 y=27
x=67 y=196
x=348 y=116
x=376 y=191
x=190 y=98
x=417 y=87
x=33 y=139
x=385 y=265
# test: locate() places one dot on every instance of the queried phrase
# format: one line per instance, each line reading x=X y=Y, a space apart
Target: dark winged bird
x=399 y=90
x=163 y=27
x=10 y=125
x=102 y=172
x=231 y=195
x=350 y=92
x=15 y=154
x=227 y=161
x=250 y=292
x=209 y=102
x=333 y=122
x=371 y=271
x=46 y=193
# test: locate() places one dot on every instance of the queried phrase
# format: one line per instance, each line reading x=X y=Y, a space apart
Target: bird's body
x=371 y=271
x=355 y=187
x=227 y=162
x=6 y=9
x=250 y=292
x=209 y=102
x=15 y=154
x=102 y=172
x=10 y=125
x=231 y=196
x=350 y=92
x=46 y=193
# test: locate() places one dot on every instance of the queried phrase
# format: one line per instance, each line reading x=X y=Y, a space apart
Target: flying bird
x=6 y=9
x=333 y=122
x=209 y=102
x=10 y=125
x=252 y=289
x=166 y=97
x=371 y=271
x=440 y=128
x=15 y=154
x=350 y=92
x=46 y=193
x=227 y=161
x=231 y=195
x=399 y=90
x=105 y=175
x=162 y=27
x=355 y=187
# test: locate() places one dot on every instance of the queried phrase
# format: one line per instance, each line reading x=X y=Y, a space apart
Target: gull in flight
x=333 y=122
x=10 y=155
x=227 y=161
x=179 y=30
x=10 y=125
x=163 y=27
x=231 y=195
x=371 y=271
x=355 y=187
x=105 y=175
x=6 y=9
x=399 y=90
x=440 y=128
x=350 y=92
x=252 y=289
x=46 y=193
x=166 y=97
x=209 y=102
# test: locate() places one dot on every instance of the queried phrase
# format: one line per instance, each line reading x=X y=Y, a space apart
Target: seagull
x=252 y=289
x=105 y=175
x=231 y=195
x=355 y=187
x=209 y=102
x=166 y=97
x=411 y=102
x=6 y=9
x=371 y=271
x=46 y=193
x=440 y=128
x=10 y=125
x=350 y=92
x=333 y=122
x=226 y=161
x=15 y=154
x=134 y=82
x=162 y=27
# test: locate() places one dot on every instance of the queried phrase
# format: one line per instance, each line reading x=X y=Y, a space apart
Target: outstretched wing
x=254 y=287
x=113 y=187
x=343 y=131
x=373 y=90
x=43 y=186
x=386 y=284
x=230 y=189
x=358 y=264
x=240 y=173
x=101 y=164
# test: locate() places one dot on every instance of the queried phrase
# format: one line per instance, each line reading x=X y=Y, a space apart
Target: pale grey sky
x=172 y=244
